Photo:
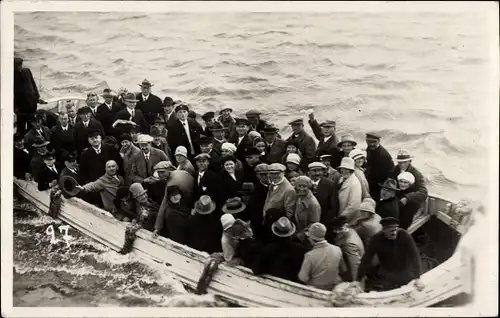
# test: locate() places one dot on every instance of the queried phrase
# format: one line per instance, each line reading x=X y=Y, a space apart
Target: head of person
x=145 y=87
x=316 y=233
x=297 y=126
x=92 y=99
x=317 y=170
x=217 y=130
x=70 y=161
x=292 y=162
x=276 y=173
x=36 y=122
x=302 y=185
x=168 y=105
x=260 y=144
x=347 y=144
x=130 y=101
x=63 y=119
x=206 y=144
x=95 y=139
x=202 y=161
x=241 y=230
x=340 y=224
x=18 y=141
x=155 y=132
x=208 y=118
x=372 y=140
x=174 y=194
x=252 y=156
x=18 y=64
x=242 y=126
x=359 y=157
x=367 y=208
x=388 y=189
x=138 y=193
x=328 y=128
x=107 y=95
x=122 y=92
x=283 y=228
x=163 y=169
x=346 y=167
x=253 y=116
x=326 y=160
x=228 y=149
x=40 y=145
x=292 y=176
x=229 y=164
x=226 y=112
x=405 y=180
x=261 y=173
x=49 y=158
x=227 y=221
x=85 y=113
x=270 y=133
x=181 y=154
x=403 y=159
x=135 y=131
x=182 y=111
x=71 y=110
x=111 y=168
x=390 y=227
x=292 y=146
x=110 y=141
x=144 y=143
x=159 y=123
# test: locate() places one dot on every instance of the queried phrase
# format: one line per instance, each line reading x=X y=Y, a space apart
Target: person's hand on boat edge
x=155 y=234
x=419 y=285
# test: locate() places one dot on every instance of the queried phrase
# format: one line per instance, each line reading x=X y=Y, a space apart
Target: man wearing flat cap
x=306 y=143
x=130 y=115
x=256 y=123
x=379 y=164
x=144 y=161
x=26 y=96
x=150 y=105
x=281 y=195
x=184 y=131
x=328 y=140
x=228 y=122
x=209 y=119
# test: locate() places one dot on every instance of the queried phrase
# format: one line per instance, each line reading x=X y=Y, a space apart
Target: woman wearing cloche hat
x=350 y=191
x=411 y=198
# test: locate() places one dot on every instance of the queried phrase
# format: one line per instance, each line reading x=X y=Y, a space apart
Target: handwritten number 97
x=63 y=228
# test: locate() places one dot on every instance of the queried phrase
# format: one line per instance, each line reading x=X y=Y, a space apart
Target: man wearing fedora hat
x=106 y=112
x=306 y=144
x=276 y=147
x=22 y=159
x=351 y=245
x=184 y=131
x=49 y=174
x=368 y=223
x=36 y=163
x=149 y=104
x=228 y=122
x=388 y=205
x=327 y=139
x=323 y=264
x=217 y=132
x=130 y=115
x=83 y=126
x=398 y=257
x=37 y=130
x=167 y=113
x=379 y=164
x=70 y=169
x=350 y=191
x=204 y=229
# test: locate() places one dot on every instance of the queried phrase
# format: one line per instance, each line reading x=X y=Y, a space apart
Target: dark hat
x=110 y=140
x=225 y=108
x=40 y=142
x=250 y=151
x=159 y=120
x=182 y=106
x=18 y=60
x=192 y=114
x=68 y=186
x=273 y=214
x=49 y=154
x=173 y=189
x=155 y=131
x=247 y=187
x=93 y=132
x=270 y=129
x=207 y=116
x=224 y=159
x=37 y=117
x=328 y=123
x=390 y=184
x=253 y=112
x=83 y=110
x=168 y=101
x=233 y=206
x=125 y=136
x=146 y=83
x=242 y=121
x=18 y=137
x=204 y=140
x=325 y=157
x=299 y=121
x=130 y=97
x=373 y=135
x=339 y=221
x=389 y=221
x=107 y=92
x=217 y=127
x=292 y=142
x=70 y=156
x=202 y=156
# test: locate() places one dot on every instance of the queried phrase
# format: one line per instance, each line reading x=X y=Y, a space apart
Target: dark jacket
x=249 y=251
x=204 y=232
x=31 y=136
x=138 y=119
x=416 y=195
x=177 y=136
x=107 y=116
x=255 y=207
x=275 y=152
x=379 y=166
x=210 y=185
x=330 y=146
x=240 y=148
x=388 y=208
x=26 y=93
x=62 y=140
x=81 y=133
x=168 y=120
x=150 y=108
x=46 y=177
x=92 y=165
x=22 y=161
x=172 y=222
x=36 y=166
x=327 y=194
x=307 y=148
x=231 y=187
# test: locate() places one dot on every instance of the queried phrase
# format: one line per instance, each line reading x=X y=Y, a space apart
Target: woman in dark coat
x=171 y=222
x=204 y=229
x=388 y=206
x=413 y=199
x=231 y=179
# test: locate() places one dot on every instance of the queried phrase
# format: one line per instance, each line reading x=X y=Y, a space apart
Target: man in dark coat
x=149 y=104
x=388 y=206
x=36 y=164
x=106 y=112
x=243 y=140
x=252 y=159
x=49 y=119
x=37 y=131
x=204 y=229
x=130 y=114
x=326 y=192
x=26 y=96
x=206 y=146
x=258 y=198
x=22 y=158
x=62 y=137
x=167 y=113
x=306 y=143
x=209 y=119
x=256 y=123
x=49 y=175
x=70 y=169
x=82 y=127
x=217 y=132
x=328 y=141
x=184 y=132
x=379 y=164
x=276 y=147
x=206 y=181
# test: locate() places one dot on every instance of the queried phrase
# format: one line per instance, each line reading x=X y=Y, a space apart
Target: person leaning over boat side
x=228 y=122
x=184 y=131
x=83 y=126
x=351 y=245
x=293 y=165
x=233 y=207
x=36 y=163
x=159 y=142
x=359 y=157
x=256 y=123
x=281 y=194
x=130 y=115
x=62 y=137
x=145 y=209
x=327 y=194
x=207 y=182
x=388 y=206
x=49 y=174
x=72 y=114
x=412 y=198
x=183 y=163
x=349 y=192
x=368 y=223
x=150 y=105
x=182 y=179
x=242 y=140
x=306 y=143
x=276 y=147
x=328 y=141
x=144 y=162
x=127 y=151
x=107 y=111
x=330 y=173
x=204 y=229
x=26 y=95
x=217 y=132
x=22 y=158
x=307 y=208
x=106 y=186
x=248 y=248
x=171 y=222
x=407 y=211
x=398 y=257
x=323 y=263
x=252 y=159
x=282 y=257
x=157 y=184
x=37 y=130
x=379 y=164
x=209 y=120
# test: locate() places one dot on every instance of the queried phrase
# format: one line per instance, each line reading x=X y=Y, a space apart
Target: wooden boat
x=237 y=284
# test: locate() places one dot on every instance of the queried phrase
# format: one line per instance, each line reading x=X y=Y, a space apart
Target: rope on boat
x=208 y=272
x=55 y=201
x=130 y=236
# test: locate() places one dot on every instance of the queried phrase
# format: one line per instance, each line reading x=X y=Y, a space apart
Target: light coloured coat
x=307 y=212
x=127 y=162
x=350 y=198
x=281 y=197
x=142 y=169
x=107 y=186
x=365 y=188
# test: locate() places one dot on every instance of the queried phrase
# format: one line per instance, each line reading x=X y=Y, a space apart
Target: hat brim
x=352 y=169
x=227 y=108
x=210 y=210
x=288 y=234
x=146 y=85
x=314 y=237
x=240 y=209
x=387 y=187
x=404 y=160
x=131 y=100
x=354 y=144
x=41 y=145
x=68 y=186
x=369 y=211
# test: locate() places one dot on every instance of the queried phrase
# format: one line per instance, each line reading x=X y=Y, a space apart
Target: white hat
x=254 y=134
x=316 y=165
x=357 y=153
x=142 y=139
x=228 y=146
x=347 y=163
x=403 y=156
x=293 y=158
x=181 y=150
x=227 y=220
x=407 y=176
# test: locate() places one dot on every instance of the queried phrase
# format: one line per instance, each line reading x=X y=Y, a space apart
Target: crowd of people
x=317 y=213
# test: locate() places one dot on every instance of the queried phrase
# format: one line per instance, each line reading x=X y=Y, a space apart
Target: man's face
x=254 y=120
x=145 y=90
x=49 y=161
x=85 y=117
x=206 y=147
x=326 y=162
x=145 y=147
x=219 y=134
x=390 y=232
x=157 y=140
x=241 y=130
x=404 y=165
x=372 y=143
x=36 y=124
x=108 y=99
x=168 y=109
x=328 y=131
x=275 y=176
x=163 y=174
x=386 y=194
x=71 y=164
x=252 y=160
x=111 y=168
x=182 y=114
x=316 y=173
x=130 y=105
x=347 y=147
x=270 y=137
x=64 y=119
x=126 y=144
x=202 y=164
x=71 y=111
x=297 y=128
x=225 y=113
x=263 y=177
x=92 y=101
x=95 y=141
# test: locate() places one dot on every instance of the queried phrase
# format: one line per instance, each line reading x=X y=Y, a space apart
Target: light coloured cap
x=202 y=156
x=136 y=189
x=316 y=231
x=276 y=167
x=403 y=156
x=347 y=138
x=227 y=220
x=357 y=153
x=368 y=205
x=305 y=180
x=143 y=139
x=261 y=167
x=316 y=164
x=181 y=150
x=228 y=146
x=254 y=134
x=408 y=176
x=293 y=158
x=347 y=163
x=163 y=165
